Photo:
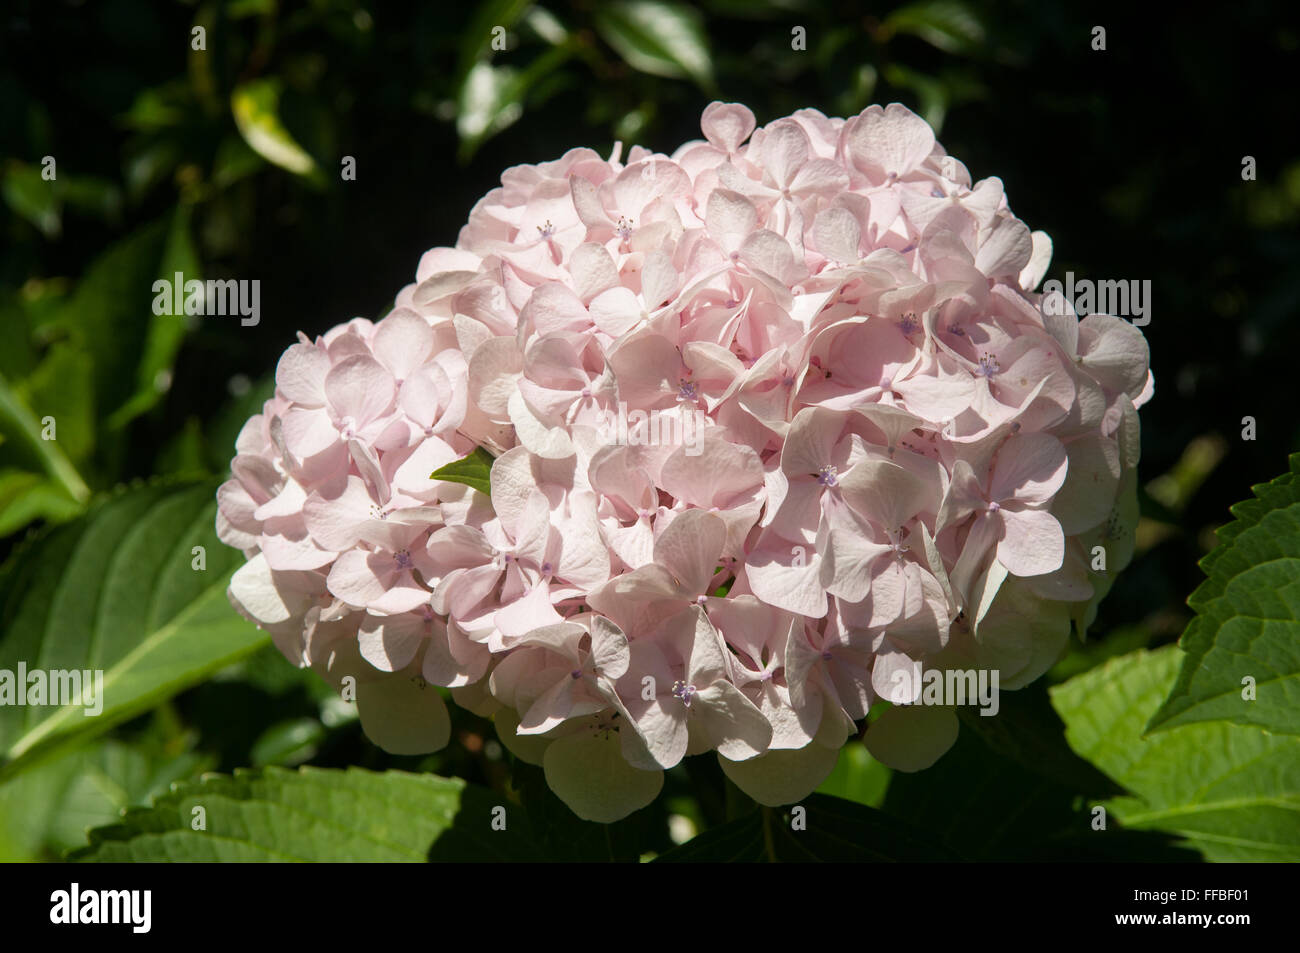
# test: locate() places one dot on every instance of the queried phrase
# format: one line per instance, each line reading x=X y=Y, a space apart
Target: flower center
x=624 y=228
x=403 y=559
x=688 y=390
x=546 y=231
x=826 y=475
x=988 y=366
x=897 y=546
x=684 y=692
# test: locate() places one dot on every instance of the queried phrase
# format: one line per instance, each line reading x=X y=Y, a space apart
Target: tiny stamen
x=684 y=692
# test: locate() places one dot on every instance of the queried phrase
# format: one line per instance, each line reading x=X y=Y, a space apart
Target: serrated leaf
x=321 y=815
x=662 y=39
x=474 y=471
x=836 y=831
x=1247 y=623
x=115 y=591
x=1232 y=791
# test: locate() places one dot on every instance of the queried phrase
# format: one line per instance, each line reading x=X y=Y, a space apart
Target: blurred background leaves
x=130 y=150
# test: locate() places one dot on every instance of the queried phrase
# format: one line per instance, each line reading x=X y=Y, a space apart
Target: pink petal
x=727 y=125
x=1032 y=542
x=359 y=388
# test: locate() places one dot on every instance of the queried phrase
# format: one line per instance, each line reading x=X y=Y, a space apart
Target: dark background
x=1130 y=158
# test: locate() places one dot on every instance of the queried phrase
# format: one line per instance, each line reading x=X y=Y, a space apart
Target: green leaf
x=477 y=39
x=110 y=313
x=662 y=39
x=116 y=591
x=34 y=198
x=48 y=810
x=473 y=471
x=836 y=831
x=1232 y=791
x=986 y=806
x=492 y=97
x=314 y=814
x=91 y=195
x=946 y=24
x=489 y=102
x=26 y=497
x=18 y=356
x=166 y=331
x=233 y=162
x=18 y=425
x=288 y=742
x=1247 y=624
x=255 y=105
x=62 y=386
x=858 y=777
x=111 y=318
x=159 y=107
x=1027 y=731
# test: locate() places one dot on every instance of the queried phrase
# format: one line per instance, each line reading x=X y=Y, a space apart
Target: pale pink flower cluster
x=903 y=459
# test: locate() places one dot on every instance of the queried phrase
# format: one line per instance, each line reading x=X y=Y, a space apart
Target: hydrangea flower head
x=776 y=419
